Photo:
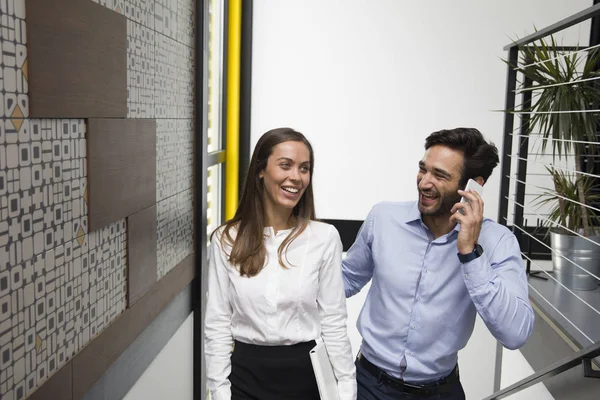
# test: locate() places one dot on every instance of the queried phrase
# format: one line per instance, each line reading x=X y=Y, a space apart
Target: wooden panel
x=91 y=363
x=121 y=168
x=77 y=59
x=141 y=252
x=58 y=386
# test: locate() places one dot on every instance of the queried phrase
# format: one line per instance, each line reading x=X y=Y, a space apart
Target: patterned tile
x=165 y=17
x=13 y=71
x=107 y=260
x=175 y=218
x=175 y=157
x=57 y=302
x=174 y=79
x=42 y=188
x=140 y=71
x=186 y=14
x=141 y=11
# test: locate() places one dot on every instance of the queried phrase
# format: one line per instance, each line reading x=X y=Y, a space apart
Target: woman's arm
x=218 y=341
x=331 y=302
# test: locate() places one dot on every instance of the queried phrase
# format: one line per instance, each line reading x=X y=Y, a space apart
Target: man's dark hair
x=480 y=157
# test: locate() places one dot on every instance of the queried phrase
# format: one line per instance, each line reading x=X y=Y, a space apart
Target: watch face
x=478 y=250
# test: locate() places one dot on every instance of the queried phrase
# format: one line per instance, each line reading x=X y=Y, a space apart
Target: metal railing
x=516 y=184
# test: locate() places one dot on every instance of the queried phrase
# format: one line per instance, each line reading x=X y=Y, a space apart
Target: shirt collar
x=414 y=217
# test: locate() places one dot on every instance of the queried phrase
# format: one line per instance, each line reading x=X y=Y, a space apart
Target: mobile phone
x=471 y=184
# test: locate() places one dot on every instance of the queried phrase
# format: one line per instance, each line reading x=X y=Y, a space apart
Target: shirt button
x=414 y=327
x=418 y=299
x=466 y=275
x=409 y=353
x=425 y=271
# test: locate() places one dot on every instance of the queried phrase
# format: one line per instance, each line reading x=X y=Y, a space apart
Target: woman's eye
x=304 y=169
x=285 y=165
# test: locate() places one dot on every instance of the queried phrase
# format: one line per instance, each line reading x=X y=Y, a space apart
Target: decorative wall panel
x=175 y=156
x=175 y=230
x=77 y=60
x=141 y=251
x=122 y=162
x=140 y=71
x=174 y=82
x=62 y=281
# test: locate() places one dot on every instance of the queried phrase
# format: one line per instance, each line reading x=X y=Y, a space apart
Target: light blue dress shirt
x=421 y=307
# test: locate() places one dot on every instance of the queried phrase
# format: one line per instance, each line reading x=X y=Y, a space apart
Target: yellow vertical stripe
x=233 y=108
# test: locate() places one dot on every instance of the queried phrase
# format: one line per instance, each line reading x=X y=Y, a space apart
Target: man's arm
x=498 y=287
x=357 y=267
x=499 y=290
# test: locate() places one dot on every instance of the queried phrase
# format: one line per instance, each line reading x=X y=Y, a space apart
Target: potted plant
x=564 y=90
x=569 y=215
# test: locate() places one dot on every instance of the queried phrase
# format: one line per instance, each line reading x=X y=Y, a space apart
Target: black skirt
x=272 y=372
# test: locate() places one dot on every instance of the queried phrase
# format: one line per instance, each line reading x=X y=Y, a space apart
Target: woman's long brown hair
x=248 y=251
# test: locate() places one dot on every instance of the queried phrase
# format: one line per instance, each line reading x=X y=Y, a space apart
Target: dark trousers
x=371 y=388
x=272 y=372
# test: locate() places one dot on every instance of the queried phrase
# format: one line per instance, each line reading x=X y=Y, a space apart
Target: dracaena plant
x=569 y=213
x=565 y=89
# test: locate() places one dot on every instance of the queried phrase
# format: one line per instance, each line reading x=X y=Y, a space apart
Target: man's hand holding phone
x=469 y=216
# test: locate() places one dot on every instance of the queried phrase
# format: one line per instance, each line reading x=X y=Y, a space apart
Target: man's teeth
x=291 y=190
x=428 y=196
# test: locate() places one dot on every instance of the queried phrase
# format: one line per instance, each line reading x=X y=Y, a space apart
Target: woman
x=275 y=284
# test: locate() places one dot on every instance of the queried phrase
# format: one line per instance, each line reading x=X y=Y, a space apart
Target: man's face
x=438 y=180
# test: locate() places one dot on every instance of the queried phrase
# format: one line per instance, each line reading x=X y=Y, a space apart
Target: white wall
x=368 y=80
x=170 y=376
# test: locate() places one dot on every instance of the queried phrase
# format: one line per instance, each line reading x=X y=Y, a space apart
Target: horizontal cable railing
x=591 y=307
x=552 y=166
x=533 y=88
x=560 y=313
x=558 y=195
x=558 y=225
x=535 y=136
x=554 y=251
x=566 y=54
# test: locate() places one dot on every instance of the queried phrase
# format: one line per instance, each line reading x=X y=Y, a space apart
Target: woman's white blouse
x=279 y=306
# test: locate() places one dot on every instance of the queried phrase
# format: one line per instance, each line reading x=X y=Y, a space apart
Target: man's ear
x=479 y=180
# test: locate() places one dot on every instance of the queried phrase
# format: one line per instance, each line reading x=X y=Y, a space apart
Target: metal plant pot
x=583 y=253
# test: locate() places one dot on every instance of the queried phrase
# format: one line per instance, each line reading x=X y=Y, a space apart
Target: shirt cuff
x=478 y=273
x=222 y=393
x=347 y=389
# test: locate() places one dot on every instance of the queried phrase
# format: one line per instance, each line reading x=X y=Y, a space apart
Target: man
x=433 y=268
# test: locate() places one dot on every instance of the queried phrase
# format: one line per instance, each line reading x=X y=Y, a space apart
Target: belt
x=441 y=386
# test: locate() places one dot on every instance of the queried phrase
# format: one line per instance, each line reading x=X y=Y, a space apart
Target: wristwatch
x=476 y=253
